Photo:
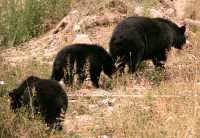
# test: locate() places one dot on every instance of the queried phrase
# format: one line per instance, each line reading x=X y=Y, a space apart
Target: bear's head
x=109 y=67
x=180 y=39
x=15 y=99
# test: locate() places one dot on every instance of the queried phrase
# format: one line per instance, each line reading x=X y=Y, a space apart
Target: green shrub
x=157 y=76
x=18 y=125
x=22 y=21
x=56 y=9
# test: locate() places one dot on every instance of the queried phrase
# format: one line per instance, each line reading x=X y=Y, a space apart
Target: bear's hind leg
x=95 y=75
x=69 y=75
x=121 y=64
x=80 y=70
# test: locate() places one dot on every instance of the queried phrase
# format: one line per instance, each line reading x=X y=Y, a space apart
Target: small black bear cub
x=140 y=38
x=45 y=96
x=72 y=59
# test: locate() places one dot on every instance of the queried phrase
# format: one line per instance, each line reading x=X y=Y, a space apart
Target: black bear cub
x=140 y=38
x=45 y=96
x=72 y=59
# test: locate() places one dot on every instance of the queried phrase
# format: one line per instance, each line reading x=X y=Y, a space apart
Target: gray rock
x=156 y=13
x=82 y=38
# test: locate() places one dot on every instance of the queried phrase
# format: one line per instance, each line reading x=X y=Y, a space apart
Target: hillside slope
x=94 y=23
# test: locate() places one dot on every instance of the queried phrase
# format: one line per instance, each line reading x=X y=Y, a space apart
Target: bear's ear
x=11 y=94
x=183 y=29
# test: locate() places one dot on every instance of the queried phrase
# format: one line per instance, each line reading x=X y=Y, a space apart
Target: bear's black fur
x=48 y=98
x=140 y=38
x=64 y=65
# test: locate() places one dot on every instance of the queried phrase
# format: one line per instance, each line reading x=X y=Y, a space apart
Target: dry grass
x=153 y=104
x=166 y=106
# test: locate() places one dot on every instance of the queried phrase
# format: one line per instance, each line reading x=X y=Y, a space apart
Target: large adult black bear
x=140 y=38
x=72 y=59
x=46 y=96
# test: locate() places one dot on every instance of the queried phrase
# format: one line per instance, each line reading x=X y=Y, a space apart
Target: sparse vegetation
x=22 y=20
x=157 y=76
x=147 y=5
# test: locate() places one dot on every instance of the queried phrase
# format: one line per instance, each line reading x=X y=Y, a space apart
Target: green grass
x=21 y=21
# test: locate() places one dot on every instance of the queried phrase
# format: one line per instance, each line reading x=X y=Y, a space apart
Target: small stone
x=82 y=38
x=104 y=136
x=170 y=12
x=155 y=13
x=2 y=82
x=169 y=118
x=77 y=28
x=139 y=11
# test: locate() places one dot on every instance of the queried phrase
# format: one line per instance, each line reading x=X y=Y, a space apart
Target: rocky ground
x=88 y=27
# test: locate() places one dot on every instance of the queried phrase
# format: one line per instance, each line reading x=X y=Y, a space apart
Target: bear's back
x=149 y=31
x=48 y=87
x=50 y=94
x=142 y=26
x=81 y=51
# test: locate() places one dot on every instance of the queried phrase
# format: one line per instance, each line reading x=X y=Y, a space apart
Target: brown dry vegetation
x=153 y=104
